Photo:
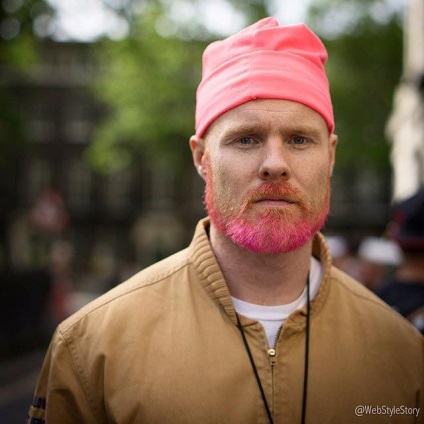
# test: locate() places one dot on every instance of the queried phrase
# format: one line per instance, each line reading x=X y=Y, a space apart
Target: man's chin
x=271 y=231
x=270 y=238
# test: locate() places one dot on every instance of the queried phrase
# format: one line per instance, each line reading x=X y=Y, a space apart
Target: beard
x=271 y=230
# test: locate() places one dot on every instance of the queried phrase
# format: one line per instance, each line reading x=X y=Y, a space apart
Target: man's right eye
x=246 y=140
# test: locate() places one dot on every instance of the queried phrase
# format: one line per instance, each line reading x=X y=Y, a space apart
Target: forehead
x=269 y=113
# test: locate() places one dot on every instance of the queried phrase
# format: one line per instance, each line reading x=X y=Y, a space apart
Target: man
x=405 y=292
x=250 y=323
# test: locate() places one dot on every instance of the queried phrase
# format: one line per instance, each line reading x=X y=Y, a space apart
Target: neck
x=263 y=279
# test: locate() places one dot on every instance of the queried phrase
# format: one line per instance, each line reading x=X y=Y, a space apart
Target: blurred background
x=96 y=108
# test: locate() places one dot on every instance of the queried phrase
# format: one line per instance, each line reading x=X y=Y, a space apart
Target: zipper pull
x=272 y=353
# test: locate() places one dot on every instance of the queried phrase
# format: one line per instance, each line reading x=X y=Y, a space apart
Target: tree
x=364 y=70
x=18 y=19
x=364 y=42
x=21 y=21
x=18 y=23
x=149 y=87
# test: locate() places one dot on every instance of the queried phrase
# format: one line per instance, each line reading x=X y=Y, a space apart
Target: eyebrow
x=306 y=130
x=242 y=129
x=255 y=128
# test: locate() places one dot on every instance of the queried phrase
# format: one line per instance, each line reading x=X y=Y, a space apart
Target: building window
x=118 y=191
x=158 y=186
x=79 y=185
x=369 y=186
x=41 y=123
x=39 y=177
x=80 y=117
x=41 y=131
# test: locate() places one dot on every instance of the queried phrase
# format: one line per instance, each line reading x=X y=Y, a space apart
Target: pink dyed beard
x=272 y=230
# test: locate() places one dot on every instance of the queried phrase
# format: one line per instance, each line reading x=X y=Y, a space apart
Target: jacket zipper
x=272 y=355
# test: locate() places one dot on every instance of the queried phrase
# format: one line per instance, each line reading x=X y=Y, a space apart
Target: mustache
x=283 y=191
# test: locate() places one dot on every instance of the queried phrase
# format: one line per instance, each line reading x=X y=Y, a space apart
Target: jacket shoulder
x=356 y=289
x=367 y=306
x=149 y=276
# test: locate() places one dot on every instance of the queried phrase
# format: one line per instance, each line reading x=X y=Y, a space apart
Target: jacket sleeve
x=60 y=396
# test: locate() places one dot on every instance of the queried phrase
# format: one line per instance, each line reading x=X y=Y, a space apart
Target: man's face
x=268 y=165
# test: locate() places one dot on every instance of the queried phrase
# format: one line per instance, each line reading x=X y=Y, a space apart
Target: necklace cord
x=305 y=374
x=306 y=368
x=255 y=371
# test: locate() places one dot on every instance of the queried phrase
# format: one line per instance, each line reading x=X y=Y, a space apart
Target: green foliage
x=17 y=55
x=253 y=10
x=337 y=18
x=149 y=83
x=149 y=86
x=364 y=68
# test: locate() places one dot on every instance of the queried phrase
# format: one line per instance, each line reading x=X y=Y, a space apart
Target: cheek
x=318 y=169
x=226 y=178
x=323 y=182
x=215 y=187
x=315 y=182
x=224 y=185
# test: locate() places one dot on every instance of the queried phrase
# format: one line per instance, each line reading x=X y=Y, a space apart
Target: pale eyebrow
x=306 y=130
x=252 y=128
x=242 y=129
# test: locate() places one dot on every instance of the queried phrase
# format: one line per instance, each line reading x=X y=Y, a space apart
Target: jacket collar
x=212 y=280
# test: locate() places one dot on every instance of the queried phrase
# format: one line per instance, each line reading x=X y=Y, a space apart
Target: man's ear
x=332 y=151
x=197 y=146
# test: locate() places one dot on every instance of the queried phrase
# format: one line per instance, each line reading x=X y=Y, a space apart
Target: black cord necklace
x=306 y=365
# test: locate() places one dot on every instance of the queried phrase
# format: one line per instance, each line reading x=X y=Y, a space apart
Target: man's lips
x=275 y=202
x=275 y=199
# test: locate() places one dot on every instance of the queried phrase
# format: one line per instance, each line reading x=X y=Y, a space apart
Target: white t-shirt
x=273 y=317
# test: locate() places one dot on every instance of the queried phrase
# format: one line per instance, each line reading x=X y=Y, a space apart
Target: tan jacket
x=163 y=348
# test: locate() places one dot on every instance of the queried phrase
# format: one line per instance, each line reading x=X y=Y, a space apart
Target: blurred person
x=338 y=248
x=405 y=291
x=250 y=323
x=377 y=257
x=342 y=256
x=61 y=256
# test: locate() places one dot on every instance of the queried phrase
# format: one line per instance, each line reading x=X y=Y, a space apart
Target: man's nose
x=274 y=164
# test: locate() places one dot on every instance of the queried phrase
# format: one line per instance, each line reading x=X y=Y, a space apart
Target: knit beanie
x=263 y=61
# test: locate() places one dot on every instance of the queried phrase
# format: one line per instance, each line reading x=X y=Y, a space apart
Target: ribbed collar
x=204 y=260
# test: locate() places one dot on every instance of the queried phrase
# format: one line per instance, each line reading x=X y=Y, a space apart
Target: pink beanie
x=263 y=61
